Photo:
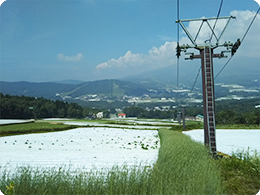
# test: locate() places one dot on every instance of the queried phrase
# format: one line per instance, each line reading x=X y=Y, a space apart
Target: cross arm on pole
x=202 y=21
x=187 y=32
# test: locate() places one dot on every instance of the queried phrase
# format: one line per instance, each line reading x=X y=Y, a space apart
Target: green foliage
x=23 y=107
x=241 y=173
x=10 y=189
x=227 y=112
x=238 y=112
x=134 y=111
x=38 y=127
x=188 y=126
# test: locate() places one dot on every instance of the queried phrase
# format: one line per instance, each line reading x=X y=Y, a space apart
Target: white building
x=99 y=115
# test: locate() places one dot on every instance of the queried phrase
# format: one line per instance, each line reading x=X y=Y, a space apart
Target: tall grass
x=183 y=167
x=117 y=180
x=241 y=173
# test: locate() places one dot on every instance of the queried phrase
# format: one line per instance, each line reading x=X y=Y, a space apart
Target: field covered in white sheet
x=106 y=146
x=231 y=140
x=81 y=147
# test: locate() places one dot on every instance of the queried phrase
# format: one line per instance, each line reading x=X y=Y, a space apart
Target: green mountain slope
x=49 y=90
x=108 y=87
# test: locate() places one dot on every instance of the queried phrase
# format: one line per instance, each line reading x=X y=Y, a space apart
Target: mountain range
x=50 y=90
x=241 y=71
x=247 y=75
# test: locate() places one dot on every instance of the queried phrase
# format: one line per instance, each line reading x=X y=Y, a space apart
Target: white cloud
x=76 y=58
x=1 y=1
x=156 y=58
x=258 y=1
x=129 y=59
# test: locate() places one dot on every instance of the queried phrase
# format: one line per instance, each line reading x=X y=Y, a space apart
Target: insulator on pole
x=235 y=47
x=178 y=50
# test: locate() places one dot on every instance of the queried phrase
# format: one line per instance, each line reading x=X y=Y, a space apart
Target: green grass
x=188 y=126
x=183 y=167
x=241 y=173
x=118 y=180
x=37 y=127
x=237 y=126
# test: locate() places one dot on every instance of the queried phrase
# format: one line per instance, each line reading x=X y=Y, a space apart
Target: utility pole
x=183 y=118
x=206 y=55
x=179 y=117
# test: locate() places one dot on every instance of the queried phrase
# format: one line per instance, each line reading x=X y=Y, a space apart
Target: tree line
x=23 y=107
x=227 y=112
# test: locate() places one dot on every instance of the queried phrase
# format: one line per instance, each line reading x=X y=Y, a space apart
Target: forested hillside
x=22 y=107
x=113 y=88
x=47 y=90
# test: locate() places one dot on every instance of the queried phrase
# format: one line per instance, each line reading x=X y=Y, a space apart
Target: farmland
x=174 y=163
x=128 y=179
x=81 y=147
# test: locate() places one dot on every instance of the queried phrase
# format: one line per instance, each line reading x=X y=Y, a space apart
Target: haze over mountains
x=244 y=72
x=241 y=71
x=52 y=90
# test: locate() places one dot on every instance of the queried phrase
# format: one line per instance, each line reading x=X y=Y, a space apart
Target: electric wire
x=178 y=31
x=250 y=25
x=178 y=39
x=220 y=7
x=240 y=43
x=195 y=80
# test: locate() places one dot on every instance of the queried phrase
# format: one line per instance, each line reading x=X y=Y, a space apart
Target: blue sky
x=52 y=40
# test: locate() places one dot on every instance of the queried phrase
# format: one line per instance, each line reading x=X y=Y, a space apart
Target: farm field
x=229 y=141
x=87 y=160
x=172 y=173
x=119 y=123
x=81 y=147
x=13 y=121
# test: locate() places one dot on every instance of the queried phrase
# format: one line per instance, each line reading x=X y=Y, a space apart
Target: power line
x=178 y=39
x=240 y=43
x=250 y=25
x=195 y=80
x=216 y=19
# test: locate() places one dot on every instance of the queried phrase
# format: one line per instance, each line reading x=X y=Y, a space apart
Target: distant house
x=199 y=118
x=190 y=118
x=99 y=115
x=121 y=115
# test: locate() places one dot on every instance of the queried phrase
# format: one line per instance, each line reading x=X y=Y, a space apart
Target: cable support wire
x=178 y=53
x=240 y=42
x=178 y=38
x=193 y=86
x=195 y=80
x=216 y=19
